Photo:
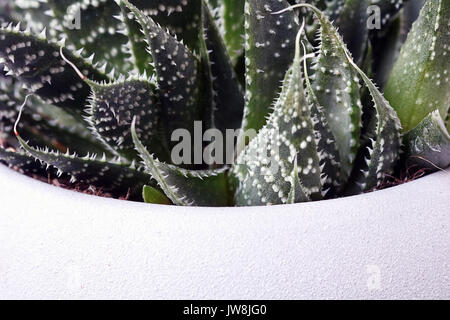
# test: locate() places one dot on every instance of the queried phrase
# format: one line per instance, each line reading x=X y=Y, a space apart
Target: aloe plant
x=99 y=91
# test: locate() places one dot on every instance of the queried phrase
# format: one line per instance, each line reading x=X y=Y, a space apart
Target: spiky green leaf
x=181 y=18
x=269 y=43
x=94 y=26
x=419 y=83
x=428 y=144
x=113 y=106
x=336 y=86
x=185 y=187
x=176 y=69
x=111 y=176
x=297 y=193
x=228 y=98
x=326 y=146
x=38 y=64
x=21 y=161
x=231 y=18
x=382 y=150
x=142 y=60
x=41 y=123
x=264 y=169
x=352 y=25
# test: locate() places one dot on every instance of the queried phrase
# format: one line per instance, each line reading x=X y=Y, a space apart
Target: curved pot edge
x=58 y=244
x=10 y=175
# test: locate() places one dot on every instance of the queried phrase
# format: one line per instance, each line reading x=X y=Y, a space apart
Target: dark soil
x=64 y=182
x=407 y=175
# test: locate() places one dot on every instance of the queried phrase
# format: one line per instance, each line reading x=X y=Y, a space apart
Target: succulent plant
x=125 y=79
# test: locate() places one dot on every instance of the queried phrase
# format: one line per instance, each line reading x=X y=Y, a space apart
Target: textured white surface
x=59 y=244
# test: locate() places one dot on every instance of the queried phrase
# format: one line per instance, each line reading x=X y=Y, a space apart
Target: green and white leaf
x=136 y=45
x=229 y=14
x=93 y=26
x=42 y=124
x=428 y=144
x=177 y=74
x=352 y=25
x=21 y=161
x=112 y=109
x=419 y=82
x=186 y=187
x=384 y=145
x=298 y=193
x=37 y=63
x=182 y=19
x=326 y=146
x=382 y=152
x=228 y=96
x=265 y=168
x=336 y=86
x=36 y=15
x=269 y=44
x=113 y=176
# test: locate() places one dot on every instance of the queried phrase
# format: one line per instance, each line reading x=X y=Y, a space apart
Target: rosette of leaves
x=162 y=63
x=135 y=72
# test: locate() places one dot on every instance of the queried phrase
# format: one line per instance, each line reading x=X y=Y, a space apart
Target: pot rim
x=49 y=236
x=377 y=193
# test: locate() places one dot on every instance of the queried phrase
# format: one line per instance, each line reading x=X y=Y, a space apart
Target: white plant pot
x=60 y=244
